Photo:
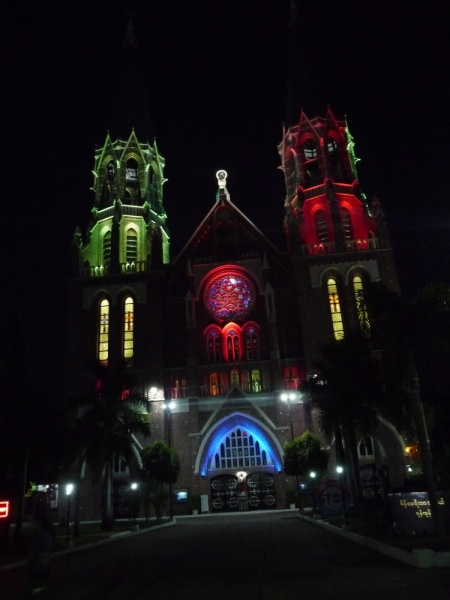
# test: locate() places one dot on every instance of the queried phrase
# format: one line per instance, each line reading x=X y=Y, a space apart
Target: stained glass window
x=240 y=448
x=103 y=332
x=335 y=308
x=128 y=328
x=229 y=296
x=361 y=310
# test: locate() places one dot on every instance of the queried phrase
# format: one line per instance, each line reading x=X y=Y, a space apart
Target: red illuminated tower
x=337 y=242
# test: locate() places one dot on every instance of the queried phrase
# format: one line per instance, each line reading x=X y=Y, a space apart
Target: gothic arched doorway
x=230 y=493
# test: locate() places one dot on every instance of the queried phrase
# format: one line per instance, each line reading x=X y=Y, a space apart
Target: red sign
x=4 y=509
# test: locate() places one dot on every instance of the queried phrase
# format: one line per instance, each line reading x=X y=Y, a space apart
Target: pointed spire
x=302 y=77
x=129 y=105
x=130 y=36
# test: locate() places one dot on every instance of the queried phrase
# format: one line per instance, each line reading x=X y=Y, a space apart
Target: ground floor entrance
x=242 y=492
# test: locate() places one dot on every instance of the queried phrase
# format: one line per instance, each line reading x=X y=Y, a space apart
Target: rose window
x=229 y=296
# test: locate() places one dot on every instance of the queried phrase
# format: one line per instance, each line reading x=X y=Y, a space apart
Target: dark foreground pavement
x=265 y=556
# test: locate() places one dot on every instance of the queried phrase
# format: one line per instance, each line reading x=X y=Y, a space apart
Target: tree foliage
x=109 y=427
x=160 y=466
x=304 y=454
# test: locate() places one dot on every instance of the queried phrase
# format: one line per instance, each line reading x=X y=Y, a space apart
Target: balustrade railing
x=330 y=247
x=139 y=266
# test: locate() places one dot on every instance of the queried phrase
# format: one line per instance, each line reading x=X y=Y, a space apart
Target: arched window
x=128 y=328
x=346 y=220
x=234 y=377
x=106 y=248
x=110 y=170
x=256 y=382
x=132 y=246
x=233 y=346
x=223 y=383
x=120 y=465
x=251 y=340
x=240 y=448
x=335 y=309
x=214 y=347
x=310 y=149
x=361 y=310
x=290 y=377
x=312 y=172
x=213 y=385
x=103 y=332
x=334 y=158
x=245 y=384
x=321 y=226
x=365 y=447
x=131 y=172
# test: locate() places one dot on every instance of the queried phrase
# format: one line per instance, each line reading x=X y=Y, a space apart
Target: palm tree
x=108 y=429
x=347 y=391
x=398 y=332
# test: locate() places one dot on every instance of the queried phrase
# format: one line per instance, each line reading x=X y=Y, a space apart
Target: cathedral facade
x=220 y=337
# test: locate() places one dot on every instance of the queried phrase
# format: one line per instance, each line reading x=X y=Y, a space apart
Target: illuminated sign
x=4 y=509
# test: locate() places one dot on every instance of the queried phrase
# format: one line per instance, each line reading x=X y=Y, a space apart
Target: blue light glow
x=252 y=428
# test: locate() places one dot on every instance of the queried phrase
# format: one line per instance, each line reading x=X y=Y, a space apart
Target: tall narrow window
x=335 y=309
x=128 y=329
x=290 y=376
x=107 y=248
x=234 y=377
x=103 y=332
x=132 y=246
x=312 y=172
x=334 y=157
x=213 y=384
x=214 y=347
x=361 y=310
x=244 y=381
x=321 y=226
x=347 y=227
x=256 y=382
x=131 y=170
x=233 y=347
x=251 y=343
x=310 y=150
x=223 y=383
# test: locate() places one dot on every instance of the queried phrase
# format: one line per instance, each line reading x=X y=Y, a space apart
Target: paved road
x=266 y=556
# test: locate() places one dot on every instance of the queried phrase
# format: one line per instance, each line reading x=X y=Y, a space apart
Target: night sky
x=216 y=78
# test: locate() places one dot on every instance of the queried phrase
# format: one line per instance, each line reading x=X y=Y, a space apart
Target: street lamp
x=134 y=487
x=340 y=471
x=69 y=490
x=287 y=398
x=168 y=408
x=313 y=483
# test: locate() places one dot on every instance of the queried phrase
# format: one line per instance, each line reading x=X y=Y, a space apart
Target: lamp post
x=134 y=487
x=287 y=398
x=169 y=407
x=313 y=483
x=69 y=490
x=339 y=471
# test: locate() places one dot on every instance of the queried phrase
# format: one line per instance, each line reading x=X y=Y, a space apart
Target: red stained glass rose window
x=229 y=296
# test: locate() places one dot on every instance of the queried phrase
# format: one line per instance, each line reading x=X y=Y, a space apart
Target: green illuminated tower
x=128 y=212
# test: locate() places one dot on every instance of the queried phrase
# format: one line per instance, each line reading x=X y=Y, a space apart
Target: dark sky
x=216 y=80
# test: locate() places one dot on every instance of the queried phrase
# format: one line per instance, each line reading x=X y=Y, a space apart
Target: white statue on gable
x=222 y=179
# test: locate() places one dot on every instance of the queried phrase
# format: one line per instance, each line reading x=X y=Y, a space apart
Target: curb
x=421 y=559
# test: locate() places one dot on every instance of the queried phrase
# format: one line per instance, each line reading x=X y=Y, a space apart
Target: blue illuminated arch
x=258 y=430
